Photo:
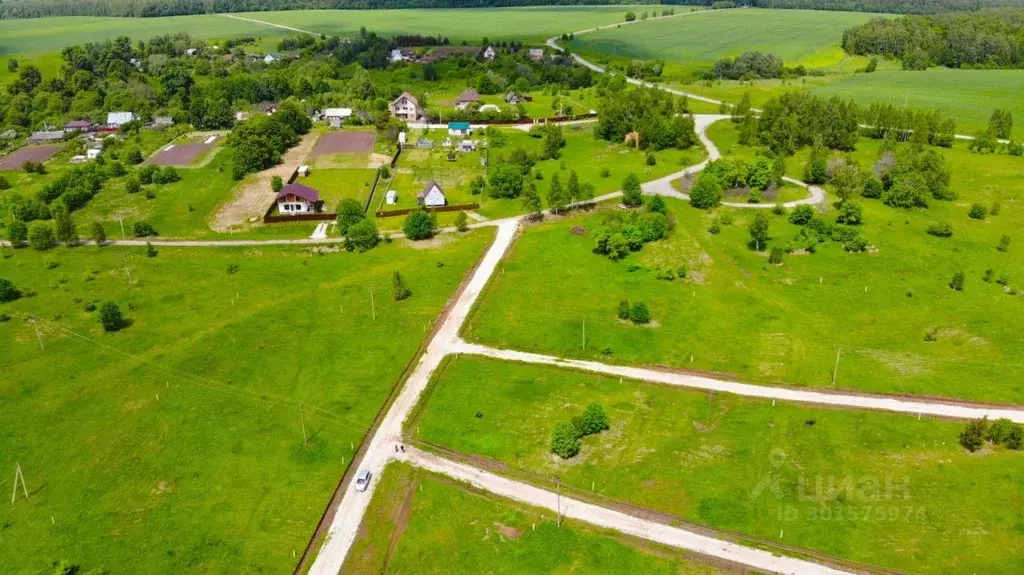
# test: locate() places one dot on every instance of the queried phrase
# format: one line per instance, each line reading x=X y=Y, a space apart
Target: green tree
x=143 y=230
x=418 y=225
x=554 y=141
x=594 y=420
x=556 y=195
x=640 y=313
x=462 y=222
x=1004 y=244
x=623 y=311
x=399 y=291
x=67 y=232
x=350 y=212
x=973 y=436
x=506 y=181
x=531 y=199
x=40 y=236
x=801 y=215
x=362 y=236
x=7 y=291
x=977 y=212
x=477 y=186
x=850 y=213
x=657 y=205
x=775 y=256
x=97 y=233
x=758 y=229
x=957 y=283
x=632 y=194
x=816 y=168
x=572 y=189
x=846 y=180
x=1000 y=124
x=742 y=110
x=276 y=183
x=132 y=185
x=110 y=316
x=133 y=156
x=872 y=187
x=564 y=442
x=17 y=232
x=706 y=192
x=150 y=250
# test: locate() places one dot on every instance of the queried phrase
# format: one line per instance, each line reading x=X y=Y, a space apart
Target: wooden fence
x=455 y=208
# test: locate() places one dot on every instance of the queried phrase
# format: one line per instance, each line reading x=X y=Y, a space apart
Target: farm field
x=30 y=36
x=176 y=444
x=807 y=37
x=483 y=534
x=935 y=508
x=735 y=315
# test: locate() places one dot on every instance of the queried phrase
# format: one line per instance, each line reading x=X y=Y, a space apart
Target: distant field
x=176 y=445
x=811 y=38
x=536 y=23
x=968 y=95
x=420 y=522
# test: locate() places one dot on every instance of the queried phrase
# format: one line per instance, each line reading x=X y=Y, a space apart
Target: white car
x=363 y=479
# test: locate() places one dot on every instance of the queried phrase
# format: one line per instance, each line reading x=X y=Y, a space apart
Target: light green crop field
x=419 y=522
x=806 y=37
x=336 y=185
x=176 y=444
x=36 y=35
x=736 y=315
x=968 y=95
x=915 y=499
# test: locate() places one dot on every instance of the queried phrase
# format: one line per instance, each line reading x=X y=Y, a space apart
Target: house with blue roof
x=459 y=129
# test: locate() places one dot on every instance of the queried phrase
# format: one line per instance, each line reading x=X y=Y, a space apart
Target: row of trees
x=565 y=441
x=259 y=142
x=649 y=117
x=985 y=39
x=753 y=66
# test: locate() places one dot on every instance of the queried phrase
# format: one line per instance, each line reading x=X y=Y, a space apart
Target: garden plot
x=335 y=185
x=185 y=154
x=17 y=158
x=417 y=168
x=347 y=149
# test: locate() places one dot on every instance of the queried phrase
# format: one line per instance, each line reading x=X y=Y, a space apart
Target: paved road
x=951 y=409
x=610 y=519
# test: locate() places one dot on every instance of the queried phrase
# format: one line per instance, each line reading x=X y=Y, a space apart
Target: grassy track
x=419 y=522
x=798 y=37
x=36 y=35
x=735 y=314
x=176 y=444
x=703 y=458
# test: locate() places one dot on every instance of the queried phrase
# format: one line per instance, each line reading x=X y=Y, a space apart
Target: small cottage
x=406 y=107
x=78 y=126
x=467 y=97
x=295 y=199
x=391 y=198
x=117 y=119
x=488 y=53
x=432 y=196
x=267 y=107
x=45 y=137
x=459 y=129
x=336 y=116
x=536 y=54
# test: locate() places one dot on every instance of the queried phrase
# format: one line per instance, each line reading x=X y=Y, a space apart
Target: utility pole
x=558 y=504
x=18 y=476
x=584 y=333
x=120 y=219
x=373 y=307
x=127 y=270
x=39 y=336
x=836 y=370
x=302 y=420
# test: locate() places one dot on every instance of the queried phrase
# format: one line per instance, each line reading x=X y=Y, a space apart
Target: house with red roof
x=295 y=199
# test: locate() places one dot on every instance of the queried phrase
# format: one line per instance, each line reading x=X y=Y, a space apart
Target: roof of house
x=45 y=136
x=338 y=112
x=266 y=106
x=299 y=191
x=120 y=117
x=163 y=120
x=426 y=189
x=468 y=95
x=407 y=96
x=458 y=125
x=78 y=124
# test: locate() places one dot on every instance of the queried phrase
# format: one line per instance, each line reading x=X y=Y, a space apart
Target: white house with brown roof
x=431 y=196
x=295 y=199
x=406 y=107
x=467 y=97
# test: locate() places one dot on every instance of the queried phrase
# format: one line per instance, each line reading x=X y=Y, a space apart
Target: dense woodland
x=154 y=8
x=987 y=39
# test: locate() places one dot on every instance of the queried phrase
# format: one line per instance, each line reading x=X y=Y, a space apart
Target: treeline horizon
x=10 y=9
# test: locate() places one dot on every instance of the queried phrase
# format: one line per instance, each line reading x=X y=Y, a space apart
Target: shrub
x=385 y=172
x=957 y=283
x=775 y=257
x=714 y=228
x=399 y=290
x=940 y=230
x=623 y=309
x=758 y=229
x=110 y=317
x=362 y=236
x=640 y=313
x=564 y=442
x=606 y=173
x=631 y=192
x=146 y=174
x=857 y=243
x=594 y=420
x=350 y=212
x=973 y=436
x=801 y=215
x=232 y=269
x=657 y=205
x=977 y=212
x=17 y=232
x=726 y=219
x=418 y=225
x=651 y=160
x=4 y=184
x=850 y=213
x=706 y=192
x=97 y=233
x=995 y=209
x=462 y=222
x=133 y=156
x=40 y=236
x=143 y=230
x=681 y=271
x=150 y=250
x=816 y=169
x=1004 y=244
x=7 y=291
x=132 y=185
x=987 y=276
x=999 y=431
x=872 y=187
x=1015 y=439
x=276 y=183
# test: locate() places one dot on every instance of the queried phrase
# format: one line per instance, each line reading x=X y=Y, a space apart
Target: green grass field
x=176 y=444
x=736 y=315
x=716 y=460
x=804 y=37
x=336 y=185
x=419 y=522
x=36 y=35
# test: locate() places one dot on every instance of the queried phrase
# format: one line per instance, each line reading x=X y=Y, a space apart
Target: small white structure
x=294 y=199
x=336 y=116
x=241 y=116
x=117 y=119
x=489 y=53
x=391 y=198
x=191 y=51
x=402 y=138
x=162 y=121
x=536 y=54
x=432 y=196
x=270 y=59
x=303 y=170
x=467 y=146
x=93 y=153
x=397 y=55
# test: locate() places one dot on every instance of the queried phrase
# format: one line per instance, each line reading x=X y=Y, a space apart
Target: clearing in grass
x=426 y=523
x=176 y=443
x=887 y=490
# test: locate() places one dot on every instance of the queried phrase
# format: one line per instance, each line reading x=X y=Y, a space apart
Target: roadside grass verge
x=916 y=500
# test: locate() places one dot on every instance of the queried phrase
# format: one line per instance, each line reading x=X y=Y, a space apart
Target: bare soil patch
x=179 y=154
x=510 y=533
x=344 y=143
x=15 y=159
x=254 y=195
